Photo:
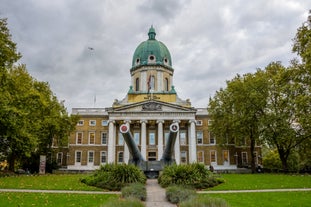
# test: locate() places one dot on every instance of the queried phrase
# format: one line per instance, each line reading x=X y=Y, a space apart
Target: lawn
x=263 y=181
x=46 y=182
x=52 y=200
x=271 y=199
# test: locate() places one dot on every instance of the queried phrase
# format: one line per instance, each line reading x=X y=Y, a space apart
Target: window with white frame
x=120 y=157
x=225 y=154
x=92 y=123
x=199 y=137
x=200 y=156
x=78 y=156
x=104 y=122
x=166 y=135
x=213 y=155
x=199 y=122
x=79 y=136
x=151 y=138
x=212 y=139
x=120 y=139
x=90 y=156
x=80 y=123
x=182 y=138
x=91 y=137
x=210 y=122
x=137 y=138
x=183 y=157
x=103 y=157
x=59 y=158
x=104 y=138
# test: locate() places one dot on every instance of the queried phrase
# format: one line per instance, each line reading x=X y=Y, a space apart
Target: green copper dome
x=151 y=52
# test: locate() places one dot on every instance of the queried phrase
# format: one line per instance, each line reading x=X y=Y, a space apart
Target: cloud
x=210 y=42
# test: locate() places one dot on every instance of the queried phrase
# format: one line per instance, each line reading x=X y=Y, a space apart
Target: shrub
x=135 y=190
x=125 y=203
x=204 y=202
x=195 y=175
x=176 y=193
x=114 y=176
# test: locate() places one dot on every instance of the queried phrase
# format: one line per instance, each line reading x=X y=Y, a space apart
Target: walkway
x=156 y=195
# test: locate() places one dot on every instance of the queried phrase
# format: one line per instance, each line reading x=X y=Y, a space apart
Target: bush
x=114 y=176
x=125 y=203
x=135 y=190
x=204 y=202
x=177 y=194
x=194 y=175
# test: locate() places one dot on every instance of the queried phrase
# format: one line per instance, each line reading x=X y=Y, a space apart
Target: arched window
x=137 y=84
x=166 y=87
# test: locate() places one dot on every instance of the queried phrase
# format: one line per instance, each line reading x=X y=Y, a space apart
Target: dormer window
x=165 y=61
x=137 y=61
x=152 y=59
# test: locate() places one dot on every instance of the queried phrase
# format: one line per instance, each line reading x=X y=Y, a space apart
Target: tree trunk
x=252 y=148
x=283 y=158
x=11 y=162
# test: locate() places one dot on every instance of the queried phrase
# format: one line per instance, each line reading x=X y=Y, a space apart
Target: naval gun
x=150 y=168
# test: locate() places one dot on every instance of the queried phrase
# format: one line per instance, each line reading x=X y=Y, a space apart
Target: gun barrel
x=133 y=149
x=167 y=156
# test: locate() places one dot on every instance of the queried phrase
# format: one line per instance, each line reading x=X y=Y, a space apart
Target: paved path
x=156 y=195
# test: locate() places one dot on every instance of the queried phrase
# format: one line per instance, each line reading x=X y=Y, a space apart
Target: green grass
x=52 y=200
x=271 y=199
x=46 y=182
x=263 y=181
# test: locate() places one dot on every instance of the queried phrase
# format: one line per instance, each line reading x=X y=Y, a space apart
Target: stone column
x=126 y=148
x=192 y=142
x=143 y=138
x=160 y=138
x=177 y=145
x=111 y=142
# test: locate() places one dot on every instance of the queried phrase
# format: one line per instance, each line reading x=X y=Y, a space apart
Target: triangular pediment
x=152 y=106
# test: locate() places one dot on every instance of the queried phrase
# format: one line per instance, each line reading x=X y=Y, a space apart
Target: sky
x=210 y=42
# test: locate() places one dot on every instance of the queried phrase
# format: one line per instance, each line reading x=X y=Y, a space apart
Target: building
x=149 y=107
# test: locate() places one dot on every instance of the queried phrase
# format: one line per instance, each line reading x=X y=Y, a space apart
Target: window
x=103 y=157
x=200 y=157
x=104 y=122
x=120 y=157
x=92 y=122
x=120 y=139
x=182 y=138
x=244 y=159
x=151 y=138
x=213 y=156
x=137 y=138
x=80 y=123
x=59 y=158
x=183 y=157
x=210 y=122
x=78 y=156
x=152 y=156
x=90 y=156
x=166 y=134
x=137 y=84
x=79 y=136
x=91 y=137
x=199 y=137
x=225 y=156
x=166 y=86
x=212 y=139
x=104 y=138
x=199 y=122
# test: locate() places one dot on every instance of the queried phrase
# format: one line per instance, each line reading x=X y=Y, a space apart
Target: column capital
x=144 y=121
x=111 y=121
x=192 y=121
x=176 y=121
x=127 y=121
x=160 y=121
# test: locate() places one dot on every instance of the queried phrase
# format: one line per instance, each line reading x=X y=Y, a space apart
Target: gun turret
x=167 y=157
x=137 y=158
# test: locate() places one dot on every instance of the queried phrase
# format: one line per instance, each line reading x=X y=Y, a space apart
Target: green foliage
x=194 y=175
x=115 y=176
x=271 y=160
x=124 y=203
x=135 y=190
x=178 y=193
x=204 y=202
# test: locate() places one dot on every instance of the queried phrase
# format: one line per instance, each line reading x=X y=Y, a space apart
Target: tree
x=237 y=110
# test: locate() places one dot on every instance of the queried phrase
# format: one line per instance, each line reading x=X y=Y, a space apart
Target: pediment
x=153 y=106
